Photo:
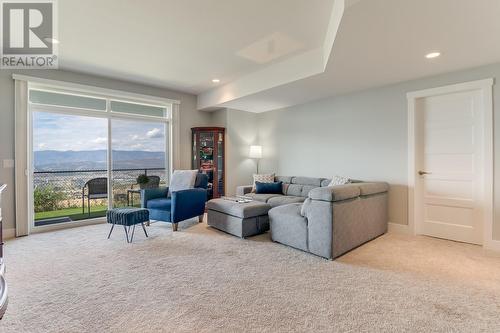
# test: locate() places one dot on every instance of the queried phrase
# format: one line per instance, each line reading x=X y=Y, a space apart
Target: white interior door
x=449 y=165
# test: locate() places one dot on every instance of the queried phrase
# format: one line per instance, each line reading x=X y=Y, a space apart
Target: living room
x=255 y=166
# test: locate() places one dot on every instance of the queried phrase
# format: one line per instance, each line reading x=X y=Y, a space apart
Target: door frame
x=23 y=143
x=486 y=88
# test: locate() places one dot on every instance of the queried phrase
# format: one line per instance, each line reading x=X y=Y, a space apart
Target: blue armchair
x=182 y=205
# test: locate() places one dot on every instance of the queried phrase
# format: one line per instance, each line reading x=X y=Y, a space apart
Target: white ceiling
x=382 y=42
x=184 y=44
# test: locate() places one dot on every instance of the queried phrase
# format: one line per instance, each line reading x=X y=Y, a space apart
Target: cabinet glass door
x=206 y=158
x=220 y=164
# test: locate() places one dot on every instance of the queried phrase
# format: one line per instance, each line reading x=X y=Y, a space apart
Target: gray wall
x=362 y=135
x=189 y=117
x=241 y=133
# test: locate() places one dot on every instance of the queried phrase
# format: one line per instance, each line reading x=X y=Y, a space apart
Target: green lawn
x=73 y=213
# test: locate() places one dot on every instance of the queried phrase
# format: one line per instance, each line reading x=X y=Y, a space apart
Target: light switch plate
x=8 y=164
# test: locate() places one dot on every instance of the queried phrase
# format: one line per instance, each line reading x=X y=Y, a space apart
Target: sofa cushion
x=373 y=188
x=284 y=200
x=160 y=203
x=269 y=188
x=307 y=181
x=284 y=179
x=288 y=226
x=294 y=189
x=263 y=178
x=335 y=193
x=299 y=190
x=339 y=180
x=262 y=197
x=306 y=189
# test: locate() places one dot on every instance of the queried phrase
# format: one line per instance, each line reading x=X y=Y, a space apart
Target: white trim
x=22 y=145
x=94 y=90
x=411 y=166
x=488 y=166
x=94 y=113
x=66 y=225
x=471 y=85
x=492 y=245
x=9 y=233
x=109 y=160
x=24 y=159
x=486 y=87
x=400 y=229
x=175 y=139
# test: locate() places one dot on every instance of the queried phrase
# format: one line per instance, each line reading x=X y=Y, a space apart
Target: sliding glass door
x=139 y=158
x=69 y=157
x=91 y=153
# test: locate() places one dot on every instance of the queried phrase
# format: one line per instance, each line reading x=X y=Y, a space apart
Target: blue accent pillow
x=269 y=188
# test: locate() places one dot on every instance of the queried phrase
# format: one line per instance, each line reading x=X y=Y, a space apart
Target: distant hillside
x=53 y=160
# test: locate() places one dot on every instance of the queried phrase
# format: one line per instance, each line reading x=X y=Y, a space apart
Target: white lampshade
x=255 y=152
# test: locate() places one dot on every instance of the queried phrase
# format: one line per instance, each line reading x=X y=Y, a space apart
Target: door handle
x=421 y=173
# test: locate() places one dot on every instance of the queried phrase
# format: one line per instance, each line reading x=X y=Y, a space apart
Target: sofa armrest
x=335 y=193
x=187 y=204
x=245 y=189
x=373 y=188
x=153 y=193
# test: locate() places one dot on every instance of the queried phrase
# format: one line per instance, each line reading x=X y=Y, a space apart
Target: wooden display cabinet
x=208 y=156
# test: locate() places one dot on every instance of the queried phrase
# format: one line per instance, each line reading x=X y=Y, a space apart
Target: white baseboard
x=9 y=233
x=492 y=245
x=396 y=228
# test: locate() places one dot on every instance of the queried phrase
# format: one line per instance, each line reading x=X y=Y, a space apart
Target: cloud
x=154 y=133
x=100 y=140
x=69 y=132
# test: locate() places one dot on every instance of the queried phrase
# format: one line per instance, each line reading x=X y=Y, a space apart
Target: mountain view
x=64 y=142
x=56 y=160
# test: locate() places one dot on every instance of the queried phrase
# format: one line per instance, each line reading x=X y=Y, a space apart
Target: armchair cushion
x=182 y=180
x=159 y=203
x=152 y=193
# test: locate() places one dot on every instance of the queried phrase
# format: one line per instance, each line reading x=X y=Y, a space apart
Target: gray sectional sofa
x=325 y=220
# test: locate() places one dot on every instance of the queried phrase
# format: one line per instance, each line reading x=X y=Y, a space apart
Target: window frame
x=168 y=121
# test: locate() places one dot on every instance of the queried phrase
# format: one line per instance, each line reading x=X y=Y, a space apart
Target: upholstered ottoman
x=242 y=219
x=127 y=217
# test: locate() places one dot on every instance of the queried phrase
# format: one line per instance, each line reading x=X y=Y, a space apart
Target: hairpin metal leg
x=132 y=236
x=109 y=235
x=144 y=228
x=126 y=233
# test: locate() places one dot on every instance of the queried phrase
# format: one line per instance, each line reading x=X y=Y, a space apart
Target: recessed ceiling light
x=51 y=40
x=432 y=55
x=215 y=80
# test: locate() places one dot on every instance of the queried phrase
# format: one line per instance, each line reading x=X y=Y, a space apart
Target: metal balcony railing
x=59 y=193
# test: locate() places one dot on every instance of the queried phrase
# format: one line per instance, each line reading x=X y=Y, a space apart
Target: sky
x=68 y=132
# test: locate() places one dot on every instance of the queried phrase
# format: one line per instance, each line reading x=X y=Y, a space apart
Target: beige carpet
x=201 y=280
